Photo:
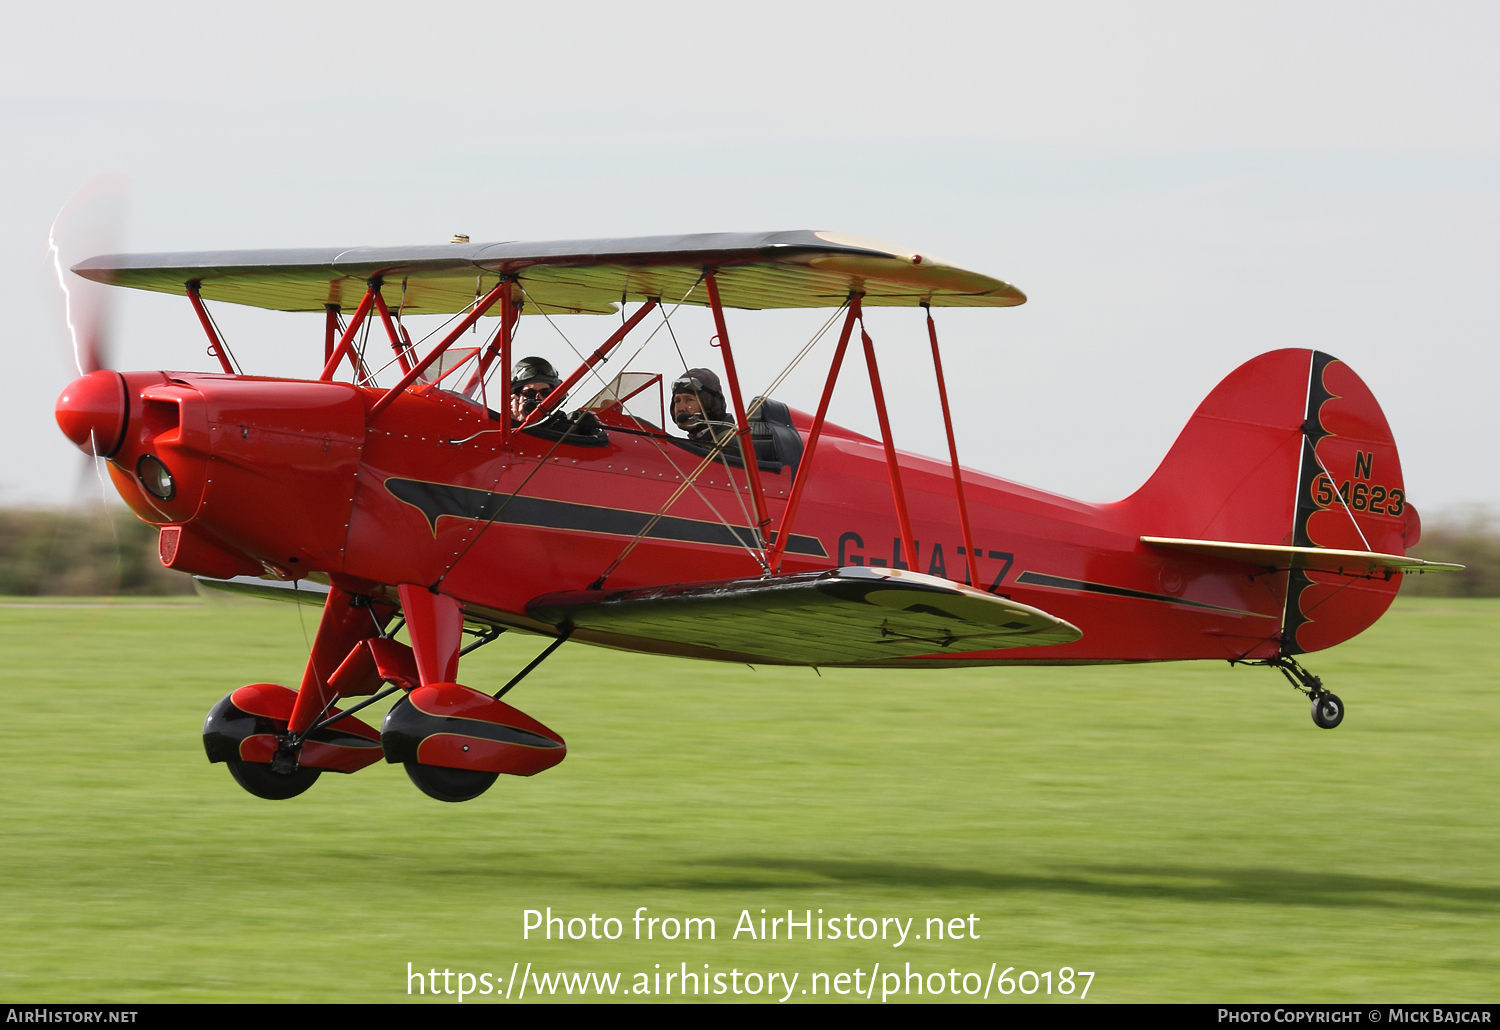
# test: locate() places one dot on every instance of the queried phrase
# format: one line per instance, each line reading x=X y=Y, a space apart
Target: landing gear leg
x=456 y=741
x=435 y=623
x=1327 y=709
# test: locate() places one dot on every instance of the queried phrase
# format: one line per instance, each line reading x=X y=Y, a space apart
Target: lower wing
x=848 y=616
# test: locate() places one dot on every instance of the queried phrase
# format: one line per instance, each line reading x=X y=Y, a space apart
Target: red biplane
x=1277 y=524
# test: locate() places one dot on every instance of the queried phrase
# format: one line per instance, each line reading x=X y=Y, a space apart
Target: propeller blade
x=92 y=222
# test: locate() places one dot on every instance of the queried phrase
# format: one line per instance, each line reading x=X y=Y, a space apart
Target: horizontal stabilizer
x=1320 y=559
x=848 y=616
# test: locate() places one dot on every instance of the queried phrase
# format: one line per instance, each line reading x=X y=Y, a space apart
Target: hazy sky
x=1177 y=187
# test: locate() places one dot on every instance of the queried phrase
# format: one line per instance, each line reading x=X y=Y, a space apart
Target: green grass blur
x=1184 y=831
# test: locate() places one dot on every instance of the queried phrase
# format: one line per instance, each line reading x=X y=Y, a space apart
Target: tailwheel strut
x=1327 y=707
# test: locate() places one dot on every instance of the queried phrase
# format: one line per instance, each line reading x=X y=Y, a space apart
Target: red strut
x=216 y=346
x=958 y=479
x=480 y=307
x=330 y=330
x=555 y=398
x=742 y=424
x=893 y=468
x=346 y=342
x=390 y=330
x=501 y=348
x=804 y=467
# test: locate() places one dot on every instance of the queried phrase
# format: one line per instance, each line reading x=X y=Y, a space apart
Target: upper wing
x=1319 y=559
x=795 y=269
x=849 y=616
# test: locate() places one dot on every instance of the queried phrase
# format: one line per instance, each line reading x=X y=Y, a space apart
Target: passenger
x=533 y=381
x=698 y=407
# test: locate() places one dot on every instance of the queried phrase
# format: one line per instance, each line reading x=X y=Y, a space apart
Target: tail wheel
x=264 y=782
x=445 y=784
x=1327 y=710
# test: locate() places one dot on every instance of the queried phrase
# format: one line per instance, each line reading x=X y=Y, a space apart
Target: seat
x=775 y=438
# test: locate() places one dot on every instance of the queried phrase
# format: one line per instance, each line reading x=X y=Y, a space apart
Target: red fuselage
x=288 y=477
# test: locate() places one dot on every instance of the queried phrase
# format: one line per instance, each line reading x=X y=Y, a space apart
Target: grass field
x=1182 y=831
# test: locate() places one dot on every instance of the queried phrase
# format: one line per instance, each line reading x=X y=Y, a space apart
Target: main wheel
x=1327 y=711
x=259 y=779
x=446 y=784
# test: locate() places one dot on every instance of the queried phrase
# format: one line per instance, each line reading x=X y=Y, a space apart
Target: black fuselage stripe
x=435 y=500
x=1039 y=579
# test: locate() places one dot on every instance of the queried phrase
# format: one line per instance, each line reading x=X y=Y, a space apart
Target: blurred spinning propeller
x=92 y=222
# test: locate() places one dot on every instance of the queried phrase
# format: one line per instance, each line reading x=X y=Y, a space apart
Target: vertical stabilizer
x=1291 y=449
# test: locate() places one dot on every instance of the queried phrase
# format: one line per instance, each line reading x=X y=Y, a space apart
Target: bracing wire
x=365 y=376
x=370 y=376
x=515 y=334
x=688 y=481
x=734 y=488
x=579 y=354
x=734 y=530
x=797 y=358
x=1334 y=483
x=680 y=356
x=714 y=452
x=708 y=459
x=505 y=504
x=666 y=320
x=223 y=342
x=755 y=407
x=491 y=520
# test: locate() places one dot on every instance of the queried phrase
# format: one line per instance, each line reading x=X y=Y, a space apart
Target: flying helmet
x=534 y=370
x=705 y=384
x=529 y=371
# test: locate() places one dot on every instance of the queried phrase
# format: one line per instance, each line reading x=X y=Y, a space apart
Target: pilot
x=698 y=407
x=532 y=381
